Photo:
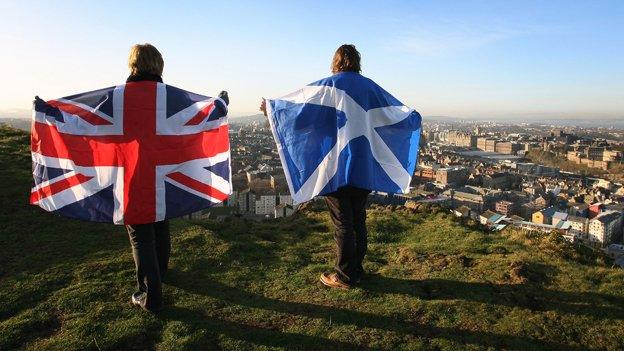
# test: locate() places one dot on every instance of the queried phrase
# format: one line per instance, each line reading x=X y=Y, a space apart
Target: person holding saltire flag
x=343 y=137
x=135 y=154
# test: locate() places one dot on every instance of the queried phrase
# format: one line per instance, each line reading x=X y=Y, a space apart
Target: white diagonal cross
x=359 y=123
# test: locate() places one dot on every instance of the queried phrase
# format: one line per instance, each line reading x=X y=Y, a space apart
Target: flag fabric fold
x=136 y=153
x=344 y=130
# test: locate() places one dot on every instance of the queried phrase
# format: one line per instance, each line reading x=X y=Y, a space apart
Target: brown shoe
x=333 y=281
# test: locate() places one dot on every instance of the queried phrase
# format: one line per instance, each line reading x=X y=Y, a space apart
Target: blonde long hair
x=145 y=59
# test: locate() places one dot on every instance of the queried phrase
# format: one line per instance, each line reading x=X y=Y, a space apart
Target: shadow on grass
x=39 y=253
x=338 y=315
x=36 y=240
x=253 y=334
x=255 y=244
x=30 y=327
x=530 y=296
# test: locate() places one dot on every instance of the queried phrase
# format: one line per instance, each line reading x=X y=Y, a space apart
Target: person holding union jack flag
x=151 y=243
x=343 y=137
x=136 y=154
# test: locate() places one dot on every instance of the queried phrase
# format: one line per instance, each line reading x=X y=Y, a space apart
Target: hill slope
x=434 y=284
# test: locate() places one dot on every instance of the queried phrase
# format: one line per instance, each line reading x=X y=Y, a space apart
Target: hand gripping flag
x=135 y=153
x=344 y=130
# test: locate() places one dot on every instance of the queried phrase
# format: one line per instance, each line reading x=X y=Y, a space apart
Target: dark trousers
x=151 y=246
x=347 y=209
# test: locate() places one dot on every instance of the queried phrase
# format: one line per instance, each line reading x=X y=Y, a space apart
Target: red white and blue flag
x=135 y=153
x=344 y=130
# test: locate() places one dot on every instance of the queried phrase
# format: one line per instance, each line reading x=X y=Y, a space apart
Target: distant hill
x=17 y=123
x=247 y=119
x=24 y=123
x=584 y=122
x=433 y=283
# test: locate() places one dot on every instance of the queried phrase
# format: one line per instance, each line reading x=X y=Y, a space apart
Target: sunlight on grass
x=432 y=283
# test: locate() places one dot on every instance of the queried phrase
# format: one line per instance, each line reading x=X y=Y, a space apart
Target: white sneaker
x=138 y=298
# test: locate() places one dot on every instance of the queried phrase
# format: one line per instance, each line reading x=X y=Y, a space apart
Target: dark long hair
x=346 y=59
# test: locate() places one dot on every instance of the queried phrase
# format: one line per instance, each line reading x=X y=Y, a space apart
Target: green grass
x=434 y=283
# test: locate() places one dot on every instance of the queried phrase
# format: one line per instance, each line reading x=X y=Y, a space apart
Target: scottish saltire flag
x=130 y=154
x=344 y=130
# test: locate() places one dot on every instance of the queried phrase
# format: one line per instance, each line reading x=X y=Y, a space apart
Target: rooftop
x=560 y=215
x=607 y=216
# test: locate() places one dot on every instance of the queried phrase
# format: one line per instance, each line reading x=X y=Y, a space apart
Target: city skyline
x=479 y=59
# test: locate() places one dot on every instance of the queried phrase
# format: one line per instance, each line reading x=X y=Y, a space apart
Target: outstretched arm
x=223 y=95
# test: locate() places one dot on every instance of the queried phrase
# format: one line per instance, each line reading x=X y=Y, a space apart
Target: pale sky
x=492 y=59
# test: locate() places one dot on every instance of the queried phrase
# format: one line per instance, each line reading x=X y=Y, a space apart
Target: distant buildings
x=506 y=207
x=458 y=138
x=246 y=201
x=499 y=180
x=490 y=145
x=258 y=179
x=425 y=173
x=481 y=143
x=452 y=175
x=283 y=210
x=579 y=210
x=508 y=148
x=558 y=217
x=494 y=183
x=265 y=204
x=579 y=226
x=605 y=227
x=476 y=198
x=535 y=169
x=260 y=202
x=543 y=216
x=487 y=144
x=527 y=210
x=593 y=156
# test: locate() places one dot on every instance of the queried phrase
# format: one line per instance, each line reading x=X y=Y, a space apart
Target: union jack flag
x=136 y=153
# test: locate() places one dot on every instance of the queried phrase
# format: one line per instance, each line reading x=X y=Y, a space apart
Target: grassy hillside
x=434 y=284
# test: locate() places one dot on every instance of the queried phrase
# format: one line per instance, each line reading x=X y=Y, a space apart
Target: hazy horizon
x=474 y=59
x=614 y=122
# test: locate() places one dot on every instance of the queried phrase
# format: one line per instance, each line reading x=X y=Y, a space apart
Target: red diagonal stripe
x=80 y=112
x=113 y=150
x=139 y=150
x=172 y=149
x=201 y=115
x=57 y=187
x=82 y=149
x=198 y=186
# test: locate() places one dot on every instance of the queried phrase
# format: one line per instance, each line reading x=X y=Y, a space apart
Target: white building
x=558 y=217
x=283 y=210
x=246 y=201
x=578 y=227
x=285 y=199
x=265 y=204
x=606 y=227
